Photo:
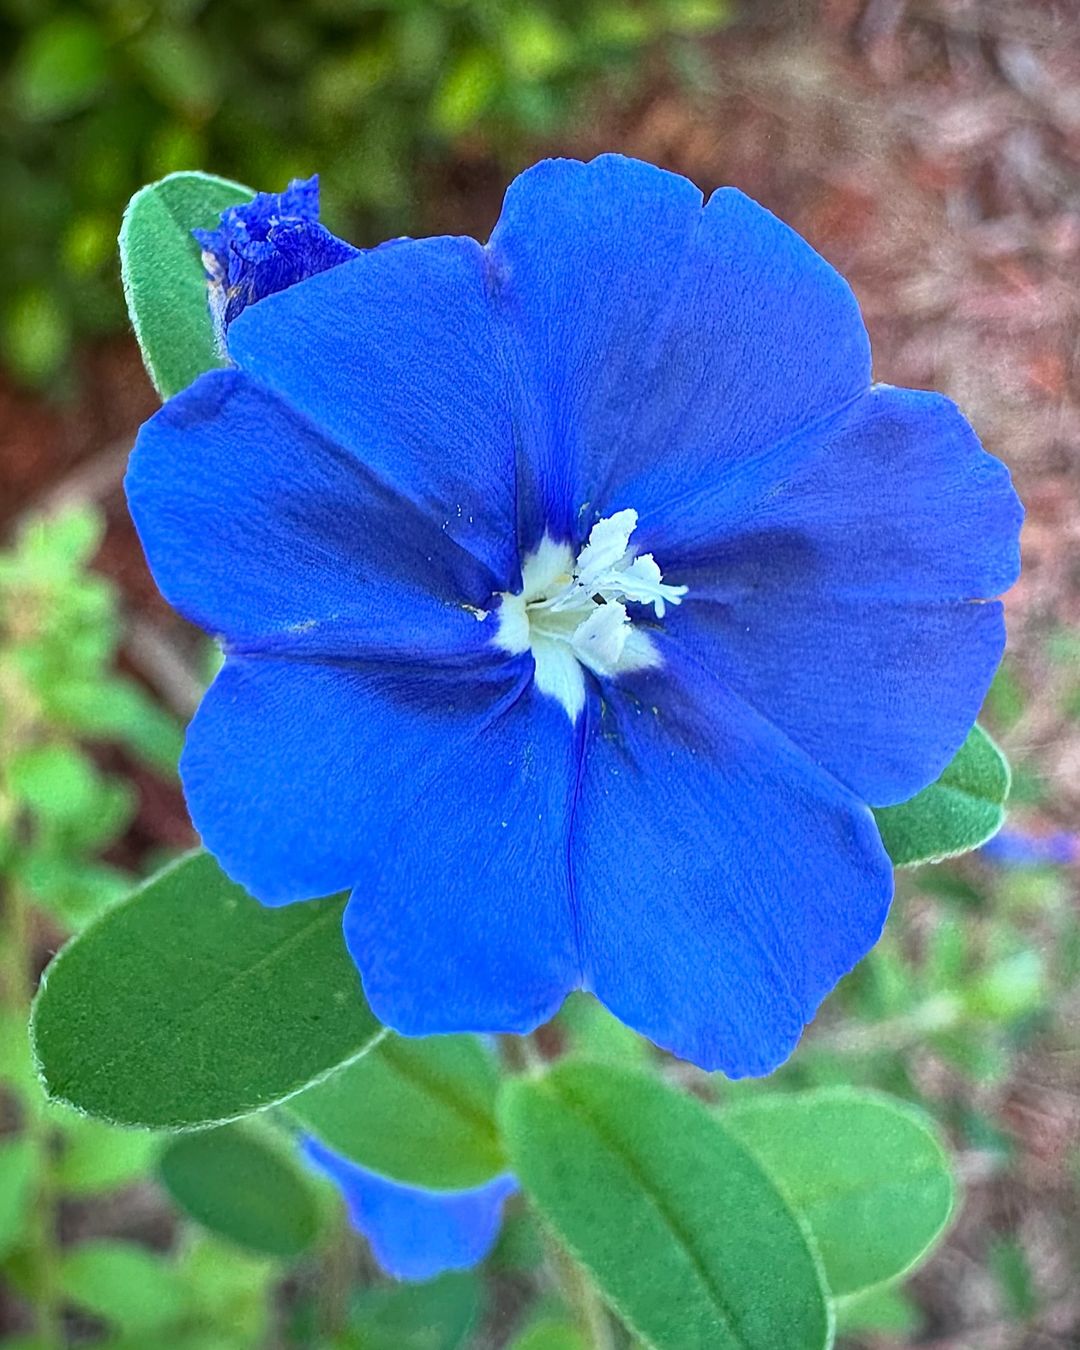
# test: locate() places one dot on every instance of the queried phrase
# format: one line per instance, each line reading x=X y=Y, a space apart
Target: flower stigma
x=572 y=614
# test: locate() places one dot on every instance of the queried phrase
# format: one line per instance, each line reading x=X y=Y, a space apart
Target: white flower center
x=573 y=614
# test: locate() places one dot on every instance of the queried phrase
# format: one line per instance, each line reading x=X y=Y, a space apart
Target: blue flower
x=415 y=1234
x=1019 y=848
x=580 y=594
x=265 y=245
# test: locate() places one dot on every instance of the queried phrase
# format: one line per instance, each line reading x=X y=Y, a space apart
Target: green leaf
x=181 y=67
x=228 y=1288
x=438 y=1315
x=1008 y=1263
x=593 y=1033
x=865 y=1171
x=679 y=1226
x=16 y=1062
x=162 y=271
x=130 y=1287
x=963 y=809
x=18 y=1164
x=191 y=1004
x=420 y=1111
x=466 y=90
x=1013 y=987
x=56 y=782
x=62 y=66
x=550 y=1334
x=117 y=709
x=35 y=333
x=97 y=1157
x=883 y=1310
x=242 y=1184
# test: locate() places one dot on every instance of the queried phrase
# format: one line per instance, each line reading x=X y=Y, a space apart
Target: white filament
x=573 y=614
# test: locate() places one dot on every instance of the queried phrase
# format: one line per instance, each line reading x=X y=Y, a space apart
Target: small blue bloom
x=1018 y=848
x=265 y=245
x=580 y=594
x=415 y=1234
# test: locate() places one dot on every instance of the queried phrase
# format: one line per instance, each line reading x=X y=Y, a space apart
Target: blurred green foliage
x=60 y=694
x=972 y=988
x=101 y=96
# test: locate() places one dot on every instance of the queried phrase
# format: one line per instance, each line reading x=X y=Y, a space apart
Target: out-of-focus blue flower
x=580 y=595
x=415 y=1234
x=265 y=245
x=1018 y=848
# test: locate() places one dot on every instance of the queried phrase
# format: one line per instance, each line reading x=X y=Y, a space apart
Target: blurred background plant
x=932 y=151
x=102 y=96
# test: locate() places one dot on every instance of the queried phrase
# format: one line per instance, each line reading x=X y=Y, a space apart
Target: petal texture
x=395 y=356
x=724 y=882
x=415 y=1234
x=833 y=585
x=463 y=918
x=301 y=777
x=659 y=341
x=261 y=528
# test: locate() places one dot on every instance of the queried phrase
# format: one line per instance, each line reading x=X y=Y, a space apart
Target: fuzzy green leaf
x=678 y=1225
x=190 y=1004
x=866 y=1172
x=244 y=1185
x=963 y=809
x=164 y=281
x=420 y=1111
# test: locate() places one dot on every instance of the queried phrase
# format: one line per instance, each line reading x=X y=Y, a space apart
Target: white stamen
x=598 y=642
x=573 y=614
x=606 y=547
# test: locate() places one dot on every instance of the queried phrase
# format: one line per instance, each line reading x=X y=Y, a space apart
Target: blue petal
x=255 y=221
x=303 y=778
x=396 y=357
x=893 y=499
x=464 y=919
x=663 y=341
x=724 y=881
x=882 y=699
x=262 y=246
x=415 y=1234
x=831 y=585
x=260 y=528
x=1019 y=848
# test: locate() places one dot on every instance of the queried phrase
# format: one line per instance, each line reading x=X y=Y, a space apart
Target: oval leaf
x=243 y=1185
x=866 y=1173
x=681 y=1229
x=963 y=809
x=136 y=1290
x=419 y=1111
x=191 y=1004
x=163 y=276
